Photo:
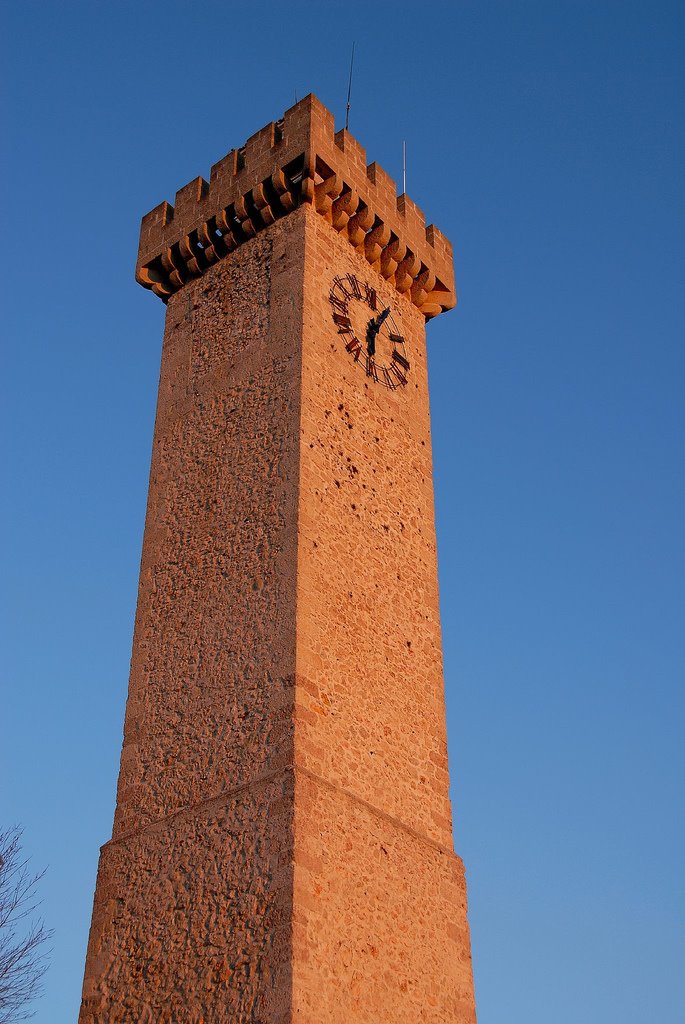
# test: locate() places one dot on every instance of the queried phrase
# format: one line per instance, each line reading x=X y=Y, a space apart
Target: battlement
x=299 y=159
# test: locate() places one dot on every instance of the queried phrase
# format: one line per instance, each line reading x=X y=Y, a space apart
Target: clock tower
x=282 y=843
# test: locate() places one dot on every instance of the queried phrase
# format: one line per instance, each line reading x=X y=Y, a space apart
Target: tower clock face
x=371 y=335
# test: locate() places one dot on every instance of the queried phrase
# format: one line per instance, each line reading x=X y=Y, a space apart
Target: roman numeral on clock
x=354 y=285
x=399 y=358
x=370 y=295
x=387 y=379
x=338 y=302
x=339 y=283
x=354 y=346
x=344 y=323
x=397 y=373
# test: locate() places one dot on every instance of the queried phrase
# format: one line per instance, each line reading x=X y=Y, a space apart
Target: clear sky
x=545 y=139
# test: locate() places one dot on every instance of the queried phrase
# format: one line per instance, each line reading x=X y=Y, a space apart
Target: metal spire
x=349 y=91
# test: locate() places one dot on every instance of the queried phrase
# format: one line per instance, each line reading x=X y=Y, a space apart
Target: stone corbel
x=437 y=301
x=307 y=186
x=325 y=193
x=406 y=271
x=392 y=256
x=243 y=215
x=375 y=242
x=174 y=266
x=226 y=228
x=359 y=225
x=190 y=256
x=344 y=207
x=262 y=206
x=423 y=284
x=282 y=190
x=154 y=279
x=210 y=242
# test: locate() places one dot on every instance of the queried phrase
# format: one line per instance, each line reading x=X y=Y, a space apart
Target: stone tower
x=282 y=842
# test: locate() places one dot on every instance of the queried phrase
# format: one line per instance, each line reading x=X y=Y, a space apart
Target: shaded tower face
x=282 y=845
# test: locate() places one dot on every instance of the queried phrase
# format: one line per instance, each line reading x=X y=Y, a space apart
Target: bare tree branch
x=23 y=936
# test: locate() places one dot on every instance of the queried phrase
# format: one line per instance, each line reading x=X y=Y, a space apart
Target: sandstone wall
x=282 y=843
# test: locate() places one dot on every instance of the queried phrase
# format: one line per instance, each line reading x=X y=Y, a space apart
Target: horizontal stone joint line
x=377 y=811
x=226 y=794
x=262 y=780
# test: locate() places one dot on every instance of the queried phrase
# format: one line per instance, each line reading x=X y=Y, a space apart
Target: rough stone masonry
x=282 y=842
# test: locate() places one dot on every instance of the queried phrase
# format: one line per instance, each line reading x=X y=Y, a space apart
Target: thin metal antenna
x=404 y=167
x=349 y=91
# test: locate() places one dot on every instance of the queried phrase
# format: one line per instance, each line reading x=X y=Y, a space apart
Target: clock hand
x=374 y=326
x=371 y=332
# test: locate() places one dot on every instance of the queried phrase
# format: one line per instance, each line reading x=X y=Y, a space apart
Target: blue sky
x=546 y=140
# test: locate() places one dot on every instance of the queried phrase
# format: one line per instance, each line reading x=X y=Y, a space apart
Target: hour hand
x=371 y=332
x=373 y=328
